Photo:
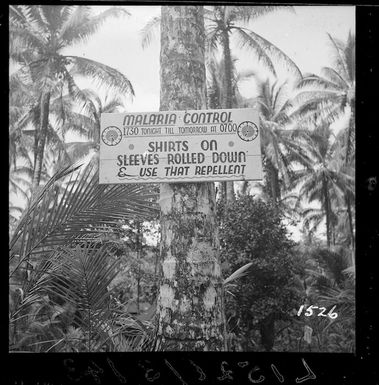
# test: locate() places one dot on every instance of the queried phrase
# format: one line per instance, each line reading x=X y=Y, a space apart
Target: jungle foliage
x=84 y=258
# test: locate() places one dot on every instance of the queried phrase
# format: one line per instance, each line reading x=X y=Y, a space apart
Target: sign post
x=180 y=146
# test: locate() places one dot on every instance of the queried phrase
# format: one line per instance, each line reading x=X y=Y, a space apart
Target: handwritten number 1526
x=309 y=311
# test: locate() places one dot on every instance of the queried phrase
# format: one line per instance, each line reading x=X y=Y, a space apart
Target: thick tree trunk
x=274 y=182
x=228 y=97
x=42 y=134
x=228 y=94
x=190 y=301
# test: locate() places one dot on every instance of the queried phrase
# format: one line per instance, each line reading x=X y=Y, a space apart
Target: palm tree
x=321 y=178
x=279 y=147
x=38 y=35
x=314 y=217
x=215 y=91
x=221 y=23
x=188 y=318
x=329 y=95
x=22 y=113
x=85 y=122
x=216 y=83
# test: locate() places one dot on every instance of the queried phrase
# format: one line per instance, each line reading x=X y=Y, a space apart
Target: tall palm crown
x=223 y=21
x=329 y=97
x=331 y=93
x=273 y=105
x=38 y=35
x=322 y=177
x=85 y=123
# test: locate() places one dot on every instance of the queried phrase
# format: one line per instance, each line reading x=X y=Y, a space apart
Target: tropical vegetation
x=84 y=259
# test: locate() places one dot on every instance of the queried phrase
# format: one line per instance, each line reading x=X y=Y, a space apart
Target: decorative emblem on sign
x=180 y=146
x=247 y=131
x=111 y=136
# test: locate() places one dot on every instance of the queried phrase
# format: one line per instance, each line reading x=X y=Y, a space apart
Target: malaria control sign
x=180 y=146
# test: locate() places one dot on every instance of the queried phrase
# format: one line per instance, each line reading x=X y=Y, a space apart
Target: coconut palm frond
x=92 y=97
x=247 y=13
x=213 y=36
x=247 y=41
x=79 y=96
x=349 y=54
x=82 y=280
x=149 y=30
x=81 y=24
x=76 y=123
x=319 y=82
x=102 y=74
x=21 y=38
x=19 y=15
x=73 y=285
x=340 y=59
x=79 y=150
x=312 y=97
x=242 y=271
x=85 y=208
x=112 y=104
x=131 y=334
x=335 y=77
x=270 y=50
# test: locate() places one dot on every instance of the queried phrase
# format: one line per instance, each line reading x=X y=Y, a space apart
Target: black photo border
x=164 y=368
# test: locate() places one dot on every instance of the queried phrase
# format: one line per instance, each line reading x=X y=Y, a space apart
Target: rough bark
x=274 y=182
x=350 y=133
x=327 y=210
x=42 y=134
x=348 y=159
x=190 y=301
x=228 y=96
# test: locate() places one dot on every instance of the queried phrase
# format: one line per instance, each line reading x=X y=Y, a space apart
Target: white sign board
x=180 y=146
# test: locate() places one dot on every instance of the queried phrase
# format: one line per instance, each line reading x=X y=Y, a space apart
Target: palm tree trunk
x=274 y=182
x=190 y=312
x=347 y=161
x=350 y=132
x=350 y=216
x=327 y=210
x=41 y=139
x=228 y=96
